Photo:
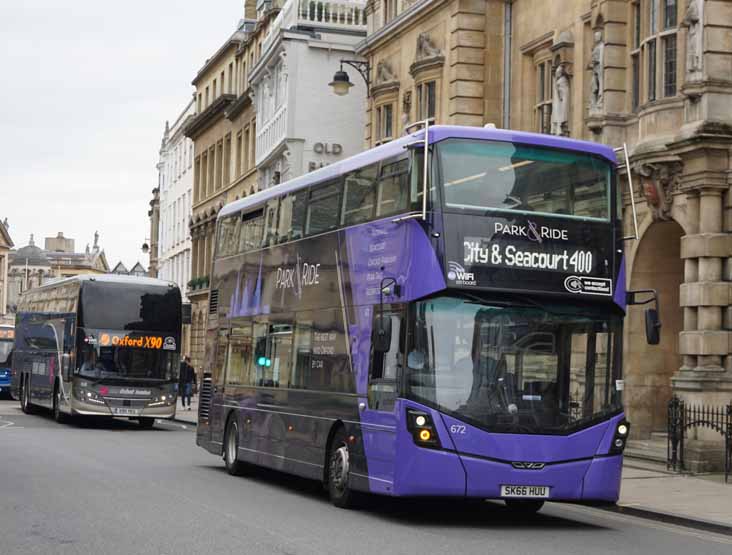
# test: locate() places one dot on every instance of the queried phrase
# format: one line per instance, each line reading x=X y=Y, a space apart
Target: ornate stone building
x=654 y=74
x=223 y=132
x=31 y=266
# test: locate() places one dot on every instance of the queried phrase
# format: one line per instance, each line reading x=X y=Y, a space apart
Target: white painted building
x=175 y=181
x=301 y=124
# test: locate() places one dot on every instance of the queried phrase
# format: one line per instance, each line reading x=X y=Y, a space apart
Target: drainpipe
x=507 y=30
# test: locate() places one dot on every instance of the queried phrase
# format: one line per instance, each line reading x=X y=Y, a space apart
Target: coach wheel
x=524 y=506
x=146 y=422
x=339 y=468
x=58 y=416
x=25 y=403
x=234 y=466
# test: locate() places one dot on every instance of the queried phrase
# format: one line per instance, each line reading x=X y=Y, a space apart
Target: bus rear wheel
x=234 y=466
x=524 y=506
x=25 y=396
x=339 y=468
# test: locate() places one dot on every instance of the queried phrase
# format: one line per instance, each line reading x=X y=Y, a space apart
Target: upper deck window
x=490 y=175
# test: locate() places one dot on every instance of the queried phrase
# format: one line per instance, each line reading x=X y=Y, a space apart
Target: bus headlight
x=620 y=438
x=420 y=424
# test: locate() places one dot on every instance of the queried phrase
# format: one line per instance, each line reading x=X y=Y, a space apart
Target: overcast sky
x=86 y=88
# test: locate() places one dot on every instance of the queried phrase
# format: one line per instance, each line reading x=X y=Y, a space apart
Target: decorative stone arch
x=654 y=263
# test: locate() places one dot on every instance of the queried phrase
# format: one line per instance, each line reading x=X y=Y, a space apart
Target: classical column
x=704 y=294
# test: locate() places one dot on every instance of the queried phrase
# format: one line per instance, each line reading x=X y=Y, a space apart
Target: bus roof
x=104 y=278
x=397 y=146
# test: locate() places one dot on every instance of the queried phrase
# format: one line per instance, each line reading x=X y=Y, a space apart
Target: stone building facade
x=223 y=132
x=154 y=248
x=289 y=85
x=653 y=74
x=6 y=243
x=175 y=181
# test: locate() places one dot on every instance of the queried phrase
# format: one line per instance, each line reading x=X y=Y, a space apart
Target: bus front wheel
x=524 y=506
x=58 y=416
x=339 y=467
x=146 y=422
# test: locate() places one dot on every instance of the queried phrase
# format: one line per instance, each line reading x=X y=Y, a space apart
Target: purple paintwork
x=394 y=148
x=453 y=471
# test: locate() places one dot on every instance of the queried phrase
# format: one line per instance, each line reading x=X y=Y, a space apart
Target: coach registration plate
x=525 y=491
x=125 y=412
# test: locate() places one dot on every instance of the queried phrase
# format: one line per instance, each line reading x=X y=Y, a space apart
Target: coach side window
x=360 y=195
x=324 y=208
x=270 y=227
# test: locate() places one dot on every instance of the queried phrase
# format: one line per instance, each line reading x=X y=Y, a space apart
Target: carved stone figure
x=406 y=109
x=384 y=73
x=426 y=48
x=692 y=21
x=597 y=65
x=560 y=102
x=658 y=183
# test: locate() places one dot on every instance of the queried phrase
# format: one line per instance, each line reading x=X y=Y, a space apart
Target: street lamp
x=341 y=83
x=145 y=247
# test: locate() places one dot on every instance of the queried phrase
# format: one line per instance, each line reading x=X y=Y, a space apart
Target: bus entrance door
x=378 y=417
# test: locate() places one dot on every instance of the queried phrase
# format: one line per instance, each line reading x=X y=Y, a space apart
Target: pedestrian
x=185 y=381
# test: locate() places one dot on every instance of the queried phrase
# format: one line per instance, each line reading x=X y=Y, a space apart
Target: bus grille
x=204 y=399
x=213 y=301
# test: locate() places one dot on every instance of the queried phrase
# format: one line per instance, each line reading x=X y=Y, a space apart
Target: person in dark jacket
x=185 y=381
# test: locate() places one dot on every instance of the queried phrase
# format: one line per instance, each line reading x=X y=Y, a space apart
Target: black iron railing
x=683 y=417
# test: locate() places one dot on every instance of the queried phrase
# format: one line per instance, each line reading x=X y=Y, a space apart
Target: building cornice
x=209 y=116
x=234 y=41
x=392 y=29
x=238 y=106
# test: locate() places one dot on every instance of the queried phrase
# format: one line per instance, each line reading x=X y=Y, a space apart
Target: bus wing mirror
x=652 y=317
x=381 y=336
x=653 y=326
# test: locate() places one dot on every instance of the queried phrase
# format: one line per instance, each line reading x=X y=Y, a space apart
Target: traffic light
x=264 y=361
x=260 y=352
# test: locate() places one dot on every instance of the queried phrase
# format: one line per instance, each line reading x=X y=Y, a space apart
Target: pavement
x=703 y=500
x=185 y=415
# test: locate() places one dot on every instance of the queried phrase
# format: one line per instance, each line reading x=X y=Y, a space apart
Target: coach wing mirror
x=382 y=334
x=652 y=315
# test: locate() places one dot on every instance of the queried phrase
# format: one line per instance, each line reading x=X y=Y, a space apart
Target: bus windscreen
x=513 y=368
x=503 y=176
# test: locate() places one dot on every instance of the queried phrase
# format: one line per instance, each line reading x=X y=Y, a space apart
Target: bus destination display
x=137 y=341
x=531 y=253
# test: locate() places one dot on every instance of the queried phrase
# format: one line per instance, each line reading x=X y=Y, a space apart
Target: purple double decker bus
x=438 y=316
